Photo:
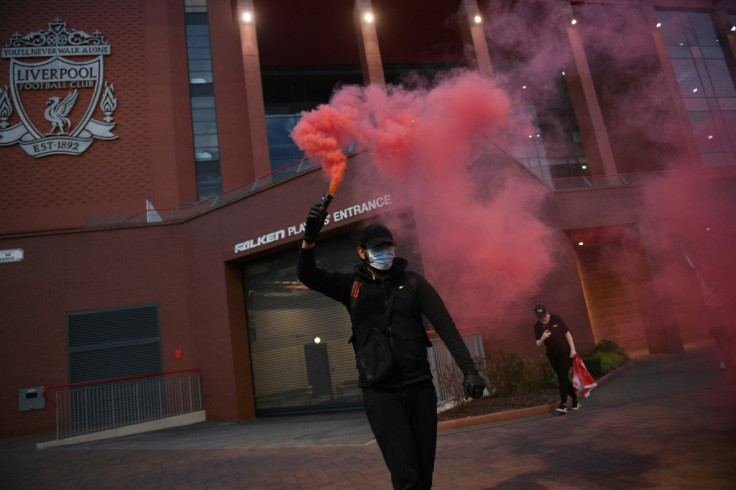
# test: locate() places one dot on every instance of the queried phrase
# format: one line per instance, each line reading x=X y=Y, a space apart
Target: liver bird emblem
x=57 y=111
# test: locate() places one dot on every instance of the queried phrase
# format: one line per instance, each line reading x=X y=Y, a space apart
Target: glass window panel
x=198 y=30
x=679 y=52
x=207 y=154
x=671 y=28
x=727 y=103
x=206 y=102
x=705 y=83
x=720 y=78
x=200 y=77
x=208 y=185
x=209 y=127
x=195 y=5
x=200 y=18
x=696 y=104
x=198 y=53
x=705 y=132
x=704 y=77
x=203 y=115
x=688 y=78
x=687 y=27
x=280 y=127
x=198 y=41
x=200 y=65
x=705 y=33
x=712 y=53
x=205 y=140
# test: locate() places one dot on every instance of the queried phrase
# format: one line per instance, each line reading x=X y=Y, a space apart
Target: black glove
x=473 y=385
x=315 y=222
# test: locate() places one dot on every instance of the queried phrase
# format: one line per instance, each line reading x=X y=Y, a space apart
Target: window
x=705 y=83
x=201 y=90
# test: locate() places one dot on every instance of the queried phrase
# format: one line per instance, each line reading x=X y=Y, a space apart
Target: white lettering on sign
x=12 y=255
x=359 y=209
x=261 y=240
x=295 y=230
x=61 y=126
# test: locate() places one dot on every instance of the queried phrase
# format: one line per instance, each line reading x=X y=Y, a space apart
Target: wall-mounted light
x=317 y=340
x=478 y=19
x=368 y=17
x=659 y=24
x=573 y=21
x=580 y=244
x=246 y=17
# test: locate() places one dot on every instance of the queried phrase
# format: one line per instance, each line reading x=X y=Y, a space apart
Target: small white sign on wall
x=11 y=255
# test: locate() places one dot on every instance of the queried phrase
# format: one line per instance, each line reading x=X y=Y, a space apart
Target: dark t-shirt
x=556 y=343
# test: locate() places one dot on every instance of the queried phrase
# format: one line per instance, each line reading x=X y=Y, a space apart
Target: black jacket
x=405 y=327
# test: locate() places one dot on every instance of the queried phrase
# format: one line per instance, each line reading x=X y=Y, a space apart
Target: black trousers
x=404 y=421
x=561 y=366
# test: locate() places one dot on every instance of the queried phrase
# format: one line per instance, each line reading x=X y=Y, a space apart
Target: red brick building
x=168 y=190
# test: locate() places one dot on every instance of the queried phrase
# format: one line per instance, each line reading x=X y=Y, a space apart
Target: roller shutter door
x=300 y=354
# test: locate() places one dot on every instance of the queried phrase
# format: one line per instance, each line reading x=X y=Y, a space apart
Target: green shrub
x=605 y=357
x=509 y=374
x=606 y=345
x=593 y=363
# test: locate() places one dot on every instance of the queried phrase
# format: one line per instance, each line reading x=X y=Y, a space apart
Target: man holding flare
x=381 y=294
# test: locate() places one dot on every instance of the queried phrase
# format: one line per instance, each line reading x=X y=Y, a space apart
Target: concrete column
x=656 y=306
x=478 y=57
x=588 y=111
x=474 y=36
x=370 y=54
x=256 y=113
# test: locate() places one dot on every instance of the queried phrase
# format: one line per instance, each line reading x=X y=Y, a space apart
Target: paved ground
x=660 y=422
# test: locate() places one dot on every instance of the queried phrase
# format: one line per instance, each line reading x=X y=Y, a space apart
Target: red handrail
x=110 y=380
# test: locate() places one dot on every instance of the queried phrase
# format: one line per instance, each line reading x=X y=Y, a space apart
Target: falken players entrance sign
x=56 y=87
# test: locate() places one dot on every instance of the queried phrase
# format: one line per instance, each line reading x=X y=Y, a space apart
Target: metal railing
x=181 y=213
x=447 y=378
x=93 y=406
x=556 y=184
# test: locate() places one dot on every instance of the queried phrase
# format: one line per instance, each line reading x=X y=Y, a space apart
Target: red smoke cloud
x=693 y=210
x=480 y=237
x=322 y=134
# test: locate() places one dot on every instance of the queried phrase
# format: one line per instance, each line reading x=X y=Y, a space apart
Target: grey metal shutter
x=292 y=372
x=113 y=343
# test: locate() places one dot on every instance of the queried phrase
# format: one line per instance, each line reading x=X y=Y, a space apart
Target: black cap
x=540 y=311
x=374 y=235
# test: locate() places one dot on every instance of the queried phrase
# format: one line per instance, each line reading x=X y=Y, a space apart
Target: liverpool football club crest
x=56 y=89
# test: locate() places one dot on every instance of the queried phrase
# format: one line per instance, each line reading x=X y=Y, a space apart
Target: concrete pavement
x=666 y=421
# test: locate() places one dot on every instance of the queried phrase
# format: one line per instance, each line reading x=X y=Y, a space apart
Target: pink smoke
x=480 y=237
x=322 y=134
x=694 y=216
